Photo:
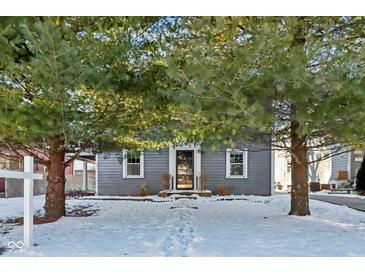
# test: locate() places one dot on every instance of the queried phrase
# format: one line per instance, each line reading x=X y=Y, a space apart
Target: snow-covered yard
x=249 y=226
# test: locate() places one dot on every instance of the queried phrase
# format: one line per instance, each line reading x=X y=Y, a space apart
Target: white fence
x=29 y=176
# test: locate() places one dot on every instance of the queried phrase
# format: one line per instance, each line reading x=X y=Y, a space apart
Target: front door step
x=185 y=193
x=184 y=207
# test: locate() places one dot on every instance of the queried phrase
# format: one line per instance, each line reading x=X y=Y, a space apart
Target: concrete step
x=185 y=193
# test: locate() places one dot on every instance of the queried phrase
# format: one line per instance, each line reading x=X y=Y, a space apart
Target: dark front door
x=185 y=169
x=2 y=184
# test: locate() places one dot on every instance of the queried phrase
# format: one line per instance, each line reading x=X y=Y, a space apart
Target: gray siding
x=15 y=187
x=356 y=159
x=339 y=163
x=258 y=181
x=111 y=181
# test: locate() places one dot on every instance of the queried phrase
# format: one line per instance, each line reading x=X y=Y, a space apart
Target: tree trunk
x=299 y=173
x=55 y=196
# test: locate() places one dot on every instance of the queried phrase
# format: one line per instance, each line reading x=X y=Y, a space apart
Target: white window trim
x=141 y=171
x=97 y=174
x=228 y=165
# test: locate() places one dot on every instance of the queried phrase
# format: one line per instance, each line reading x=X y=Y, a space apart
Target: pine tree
x=73 y=84
x=299 y=78
x=360 y=177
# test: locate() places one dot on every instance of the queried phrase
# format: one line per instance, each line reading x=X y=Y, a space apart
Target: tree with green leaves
x=299 y=79
x=73 y=84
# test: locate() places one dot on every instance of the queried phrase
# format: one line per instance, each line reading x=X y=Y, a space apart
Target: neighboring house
x=3 y=165
x=80 y=175
x=349 y=162
x=77 y=167
x=335 y=170
x=10 y=187
x=247 y=170
x=317 y=171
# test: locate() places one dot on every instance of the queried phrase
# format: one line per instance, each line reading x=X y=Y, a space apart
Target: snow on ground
x=13 y=207
x=327 y=193
x=247 y=226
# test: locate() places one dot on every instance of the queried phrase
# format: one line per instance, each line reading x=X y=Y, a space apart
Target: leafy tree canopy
x=263 y=72
x=88 y=82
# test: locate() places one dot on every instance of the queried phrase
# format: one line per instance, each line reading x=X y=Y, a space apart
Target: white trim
x=197 y=168
x=97 y=174
x=28 y=175
x=228 y=164
x=20 y=174
x=172 y=170
x=28 y=201
x=141 y=166
x=349 y=158
x=84 y=176
x=172 y=163
x=272 y=165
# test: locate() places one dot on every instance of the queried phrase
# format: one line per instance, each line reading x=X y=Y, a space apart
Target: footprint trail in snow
x=179 y=229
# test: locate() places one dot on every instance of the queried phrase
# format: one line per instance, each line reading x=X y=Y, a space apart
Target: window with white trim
x=133 y=164
x=236 y=163
x=288 y=163
x=4 y=163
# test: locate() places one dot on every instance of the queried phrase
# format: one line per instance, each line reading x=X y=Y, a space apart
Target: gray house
x=350 y=162
x=248 y=170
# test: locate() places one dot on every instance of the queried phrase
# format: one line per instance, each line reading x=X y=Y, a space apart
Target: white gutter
x=97 y=174
x=272 y=170
x=349 y=160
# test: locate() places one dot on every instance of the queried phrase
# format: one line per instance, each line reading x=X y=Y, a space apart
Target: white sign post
x=28 y=176
x=28 y=202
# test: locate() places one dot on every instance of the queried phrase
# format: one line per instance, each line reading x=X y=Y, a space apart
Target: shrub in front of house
x=165 y=179
x=221 y=190
x=76 y=193
x=203 y=181
x=143 y=190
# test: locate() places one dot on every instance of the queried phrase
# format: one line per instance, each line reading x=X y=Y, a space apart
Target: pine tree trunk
x=55 y=196
x=299 y=173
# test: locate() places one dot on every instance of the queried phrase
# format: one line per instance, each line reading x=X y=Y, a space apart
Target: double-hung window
x=4 y=163
x=236 y=163
x=288 y=163
x=133 y=164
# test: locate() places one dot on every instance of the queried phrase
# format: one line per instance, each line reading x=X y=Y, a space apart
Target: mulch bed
x=184 y=207
x=77 y=211
x=81 y=211
x=38 y=220
x=127 y=199
x=231 y=199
